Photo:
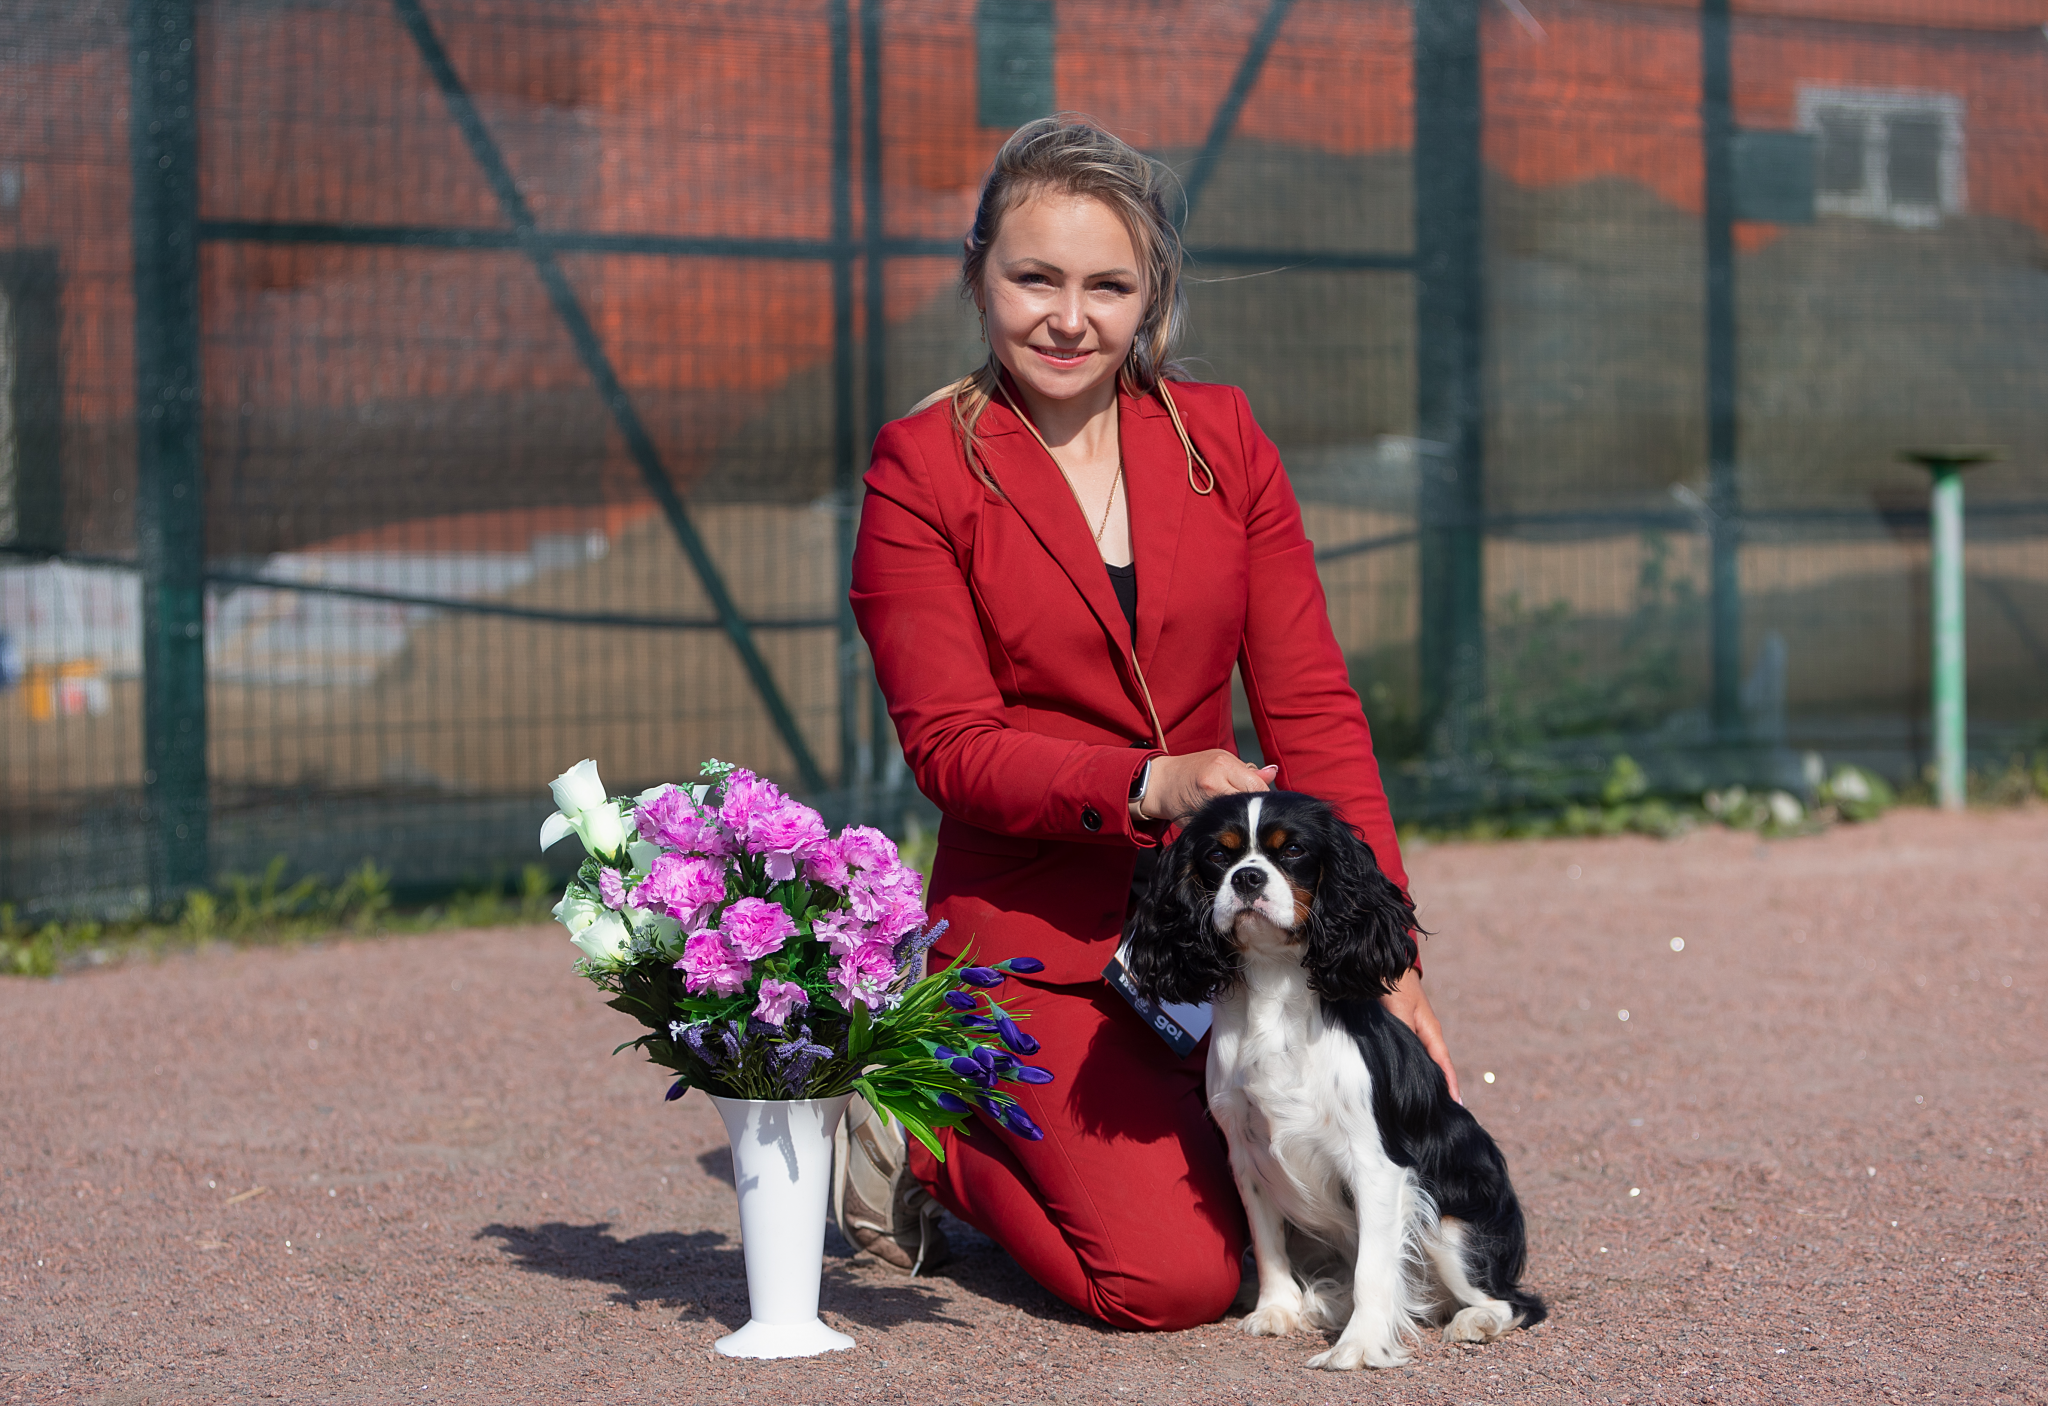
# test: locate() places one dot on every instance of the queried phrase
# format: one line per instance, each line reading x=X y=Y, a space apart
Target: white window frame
x=1875 y=105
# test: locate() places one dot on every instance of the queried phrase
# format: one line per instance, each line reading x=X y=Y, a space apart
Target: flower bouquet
x=778 y=967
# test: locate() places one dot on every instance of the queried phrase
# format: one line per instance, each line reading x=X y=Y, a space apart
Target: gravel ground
x=1807 y=1165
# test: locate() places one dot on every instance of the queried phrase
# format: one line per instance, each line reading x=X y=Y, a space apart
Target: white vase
x=782 y=1169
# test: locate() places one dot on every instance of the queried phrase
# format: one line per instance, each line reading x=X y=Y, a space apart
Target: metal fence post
x=1450 y=345
x=170 y=515
x=1945 y=598
x=876 y=771
x=1717 y=129
x=847 y=656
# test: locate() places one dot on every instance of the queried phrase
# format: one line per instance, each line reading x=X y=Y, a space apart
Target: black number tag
x=1182 y=1027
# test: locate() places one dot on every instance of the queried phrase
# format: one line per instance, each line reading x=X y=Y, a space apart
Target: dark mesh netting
x=403 y=399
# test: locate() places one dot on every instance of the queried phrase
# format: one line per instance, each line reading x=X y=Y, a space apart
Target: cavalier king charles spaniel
x=1377 y=1203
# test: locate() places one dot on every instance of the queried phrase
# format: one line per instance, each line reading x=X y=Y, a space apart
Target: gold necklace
x=1100 y=527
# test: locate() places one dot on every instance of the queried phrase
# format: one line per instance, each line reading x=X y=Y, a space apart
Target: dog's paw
x=1481 y=1323
x=1350 y=1356
x=1274 y=1320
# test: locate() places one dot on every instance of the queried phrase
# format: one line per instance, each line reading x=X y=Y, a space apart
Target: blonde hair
x=1071 y=155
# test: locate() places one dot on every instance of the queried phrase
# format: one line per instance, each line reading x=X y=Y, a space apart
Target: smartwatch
x=1138 y=784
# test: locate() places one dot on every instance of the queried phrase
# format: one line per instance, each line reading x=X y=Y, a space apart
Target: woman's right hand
x=1180 y=786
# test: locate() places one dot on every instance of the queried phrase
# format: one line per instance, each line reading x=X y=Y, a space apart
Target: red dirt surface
x=1808 y=1167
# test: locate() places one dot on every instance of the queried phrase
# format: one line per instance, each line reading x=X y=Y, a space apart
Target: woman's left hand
x=1408 y=1004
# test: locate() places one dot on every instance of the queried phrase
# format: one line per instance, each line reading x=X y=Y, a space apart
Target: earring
x=984 y=328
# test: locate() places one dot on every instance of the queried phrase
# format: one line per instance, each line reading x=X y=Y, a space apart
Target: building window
x=1886 y=154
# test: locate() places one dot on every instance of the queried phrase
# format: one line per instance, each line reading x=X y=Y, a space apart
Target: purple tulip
x=1023 y=966
x=1014 y=1037
x=676 y=1091
x=952 y=1103
x=981 y=976
x=960 y=1000
x=975 y=1022
x=1032 y=1074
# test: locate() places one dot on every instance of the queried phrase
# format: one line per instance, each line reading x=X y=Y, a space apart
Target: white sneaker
x=876 y=1203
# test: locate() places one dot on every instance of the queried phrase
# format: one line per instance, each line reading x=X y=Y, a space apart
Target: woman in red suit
x=1060 y=560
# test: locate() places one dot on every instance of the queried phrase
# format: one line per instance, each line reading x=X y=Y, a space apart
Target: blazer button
x=1091 y=819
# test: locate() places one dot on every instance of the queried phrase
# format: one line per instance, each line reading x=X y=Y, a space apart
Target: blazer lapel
x=1155 y=478
x=1038 y=491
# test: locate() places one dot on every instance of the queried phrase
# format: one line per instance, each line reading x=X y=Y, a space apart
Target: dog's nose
x=1247 y=881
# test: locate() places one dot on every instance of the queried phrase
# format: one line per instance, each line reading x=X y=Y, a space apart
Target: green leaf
x=899 y=1109
x=860 y=1037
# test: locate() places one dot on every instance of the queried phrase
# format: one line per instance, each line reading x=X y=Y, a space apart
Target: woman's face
x=1062 y=294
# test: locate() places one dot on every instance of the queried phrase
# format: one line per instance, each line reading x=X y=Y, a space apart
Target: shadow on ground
x=702 y=1276
x=979 y=1266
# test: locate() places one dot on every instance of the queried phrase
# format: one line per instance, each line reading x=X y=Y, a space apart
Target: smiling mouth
x=1064 y=358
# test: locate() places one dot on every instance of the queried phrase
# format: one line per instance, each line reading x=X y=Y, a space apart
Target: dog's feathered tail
x=1423 y=1128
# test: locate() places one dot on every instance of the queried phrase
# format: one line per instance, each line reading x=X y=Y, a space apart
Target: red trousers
x=1127 y=1209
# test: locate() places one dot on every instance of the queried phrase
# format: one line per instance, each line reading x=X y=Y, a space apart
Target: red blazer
x=1006 y=660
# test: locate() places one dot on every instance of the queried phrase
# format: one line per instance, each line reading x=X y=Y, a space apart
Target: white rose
x=577 y=910
x=605 y=940
x=664 y=930
x=593 y=927
x=578 y=788
x=583 y=810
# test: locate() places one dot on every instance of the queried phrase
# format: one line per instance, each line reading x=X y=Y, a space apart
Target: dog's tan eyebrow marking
x=1231 y=839
x=1277 y=839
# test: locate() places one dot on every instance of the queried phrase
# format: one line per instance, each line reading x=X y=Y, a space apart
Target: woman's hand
x=1180 y=786
x=1407 y=1003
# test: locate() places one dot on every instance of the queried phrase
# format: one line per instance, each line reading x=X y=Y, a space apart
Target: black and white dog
x=1377 y=1204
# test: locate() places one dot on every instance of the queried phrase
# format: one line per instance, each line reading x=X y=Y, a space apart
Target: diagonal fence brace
x=613 y=392
x=1227 y=111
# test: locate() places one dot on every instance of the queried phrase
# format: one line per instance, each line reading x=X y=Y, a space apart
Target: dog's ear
x=1360 y=927
x=1172 y=949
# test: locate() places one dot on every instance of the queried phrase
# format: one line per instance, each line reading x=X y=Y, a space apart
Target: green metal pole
x=170 y=516
x=1450 y=365
x=1945 y=534
x=1945 y=571
x=1717 y=130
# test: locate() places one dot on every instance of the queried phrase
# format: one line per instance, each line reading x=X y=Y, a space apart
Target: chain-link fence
x=402 y=399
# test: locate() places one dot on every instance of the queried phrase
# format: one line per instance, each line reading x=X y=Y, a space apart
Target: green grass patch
x=269 y=909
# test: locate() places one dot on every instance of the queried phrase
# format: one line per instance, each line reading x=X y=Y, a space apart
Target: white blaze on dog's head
x=1252 y=885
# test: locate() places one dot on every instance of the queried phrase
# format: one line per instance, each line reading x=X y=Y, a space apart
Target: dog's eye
x=1293 y=851
x=1216 y=856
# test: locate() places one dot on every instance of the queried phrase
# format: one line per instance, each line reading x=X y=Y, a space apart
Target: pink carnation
x=841 y=932
x=770 y=823
x=681 y=884
x=893 y=901
x=708 y=964
x=825 y=863
x=611 y=888
x=865 y=847
x=674 y=821
x=756 y=927
x=863 y=975
x=778 y=999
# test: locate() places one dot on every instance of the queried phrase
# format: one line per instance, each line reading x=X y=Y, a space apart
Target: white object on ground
x=782 y=1169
